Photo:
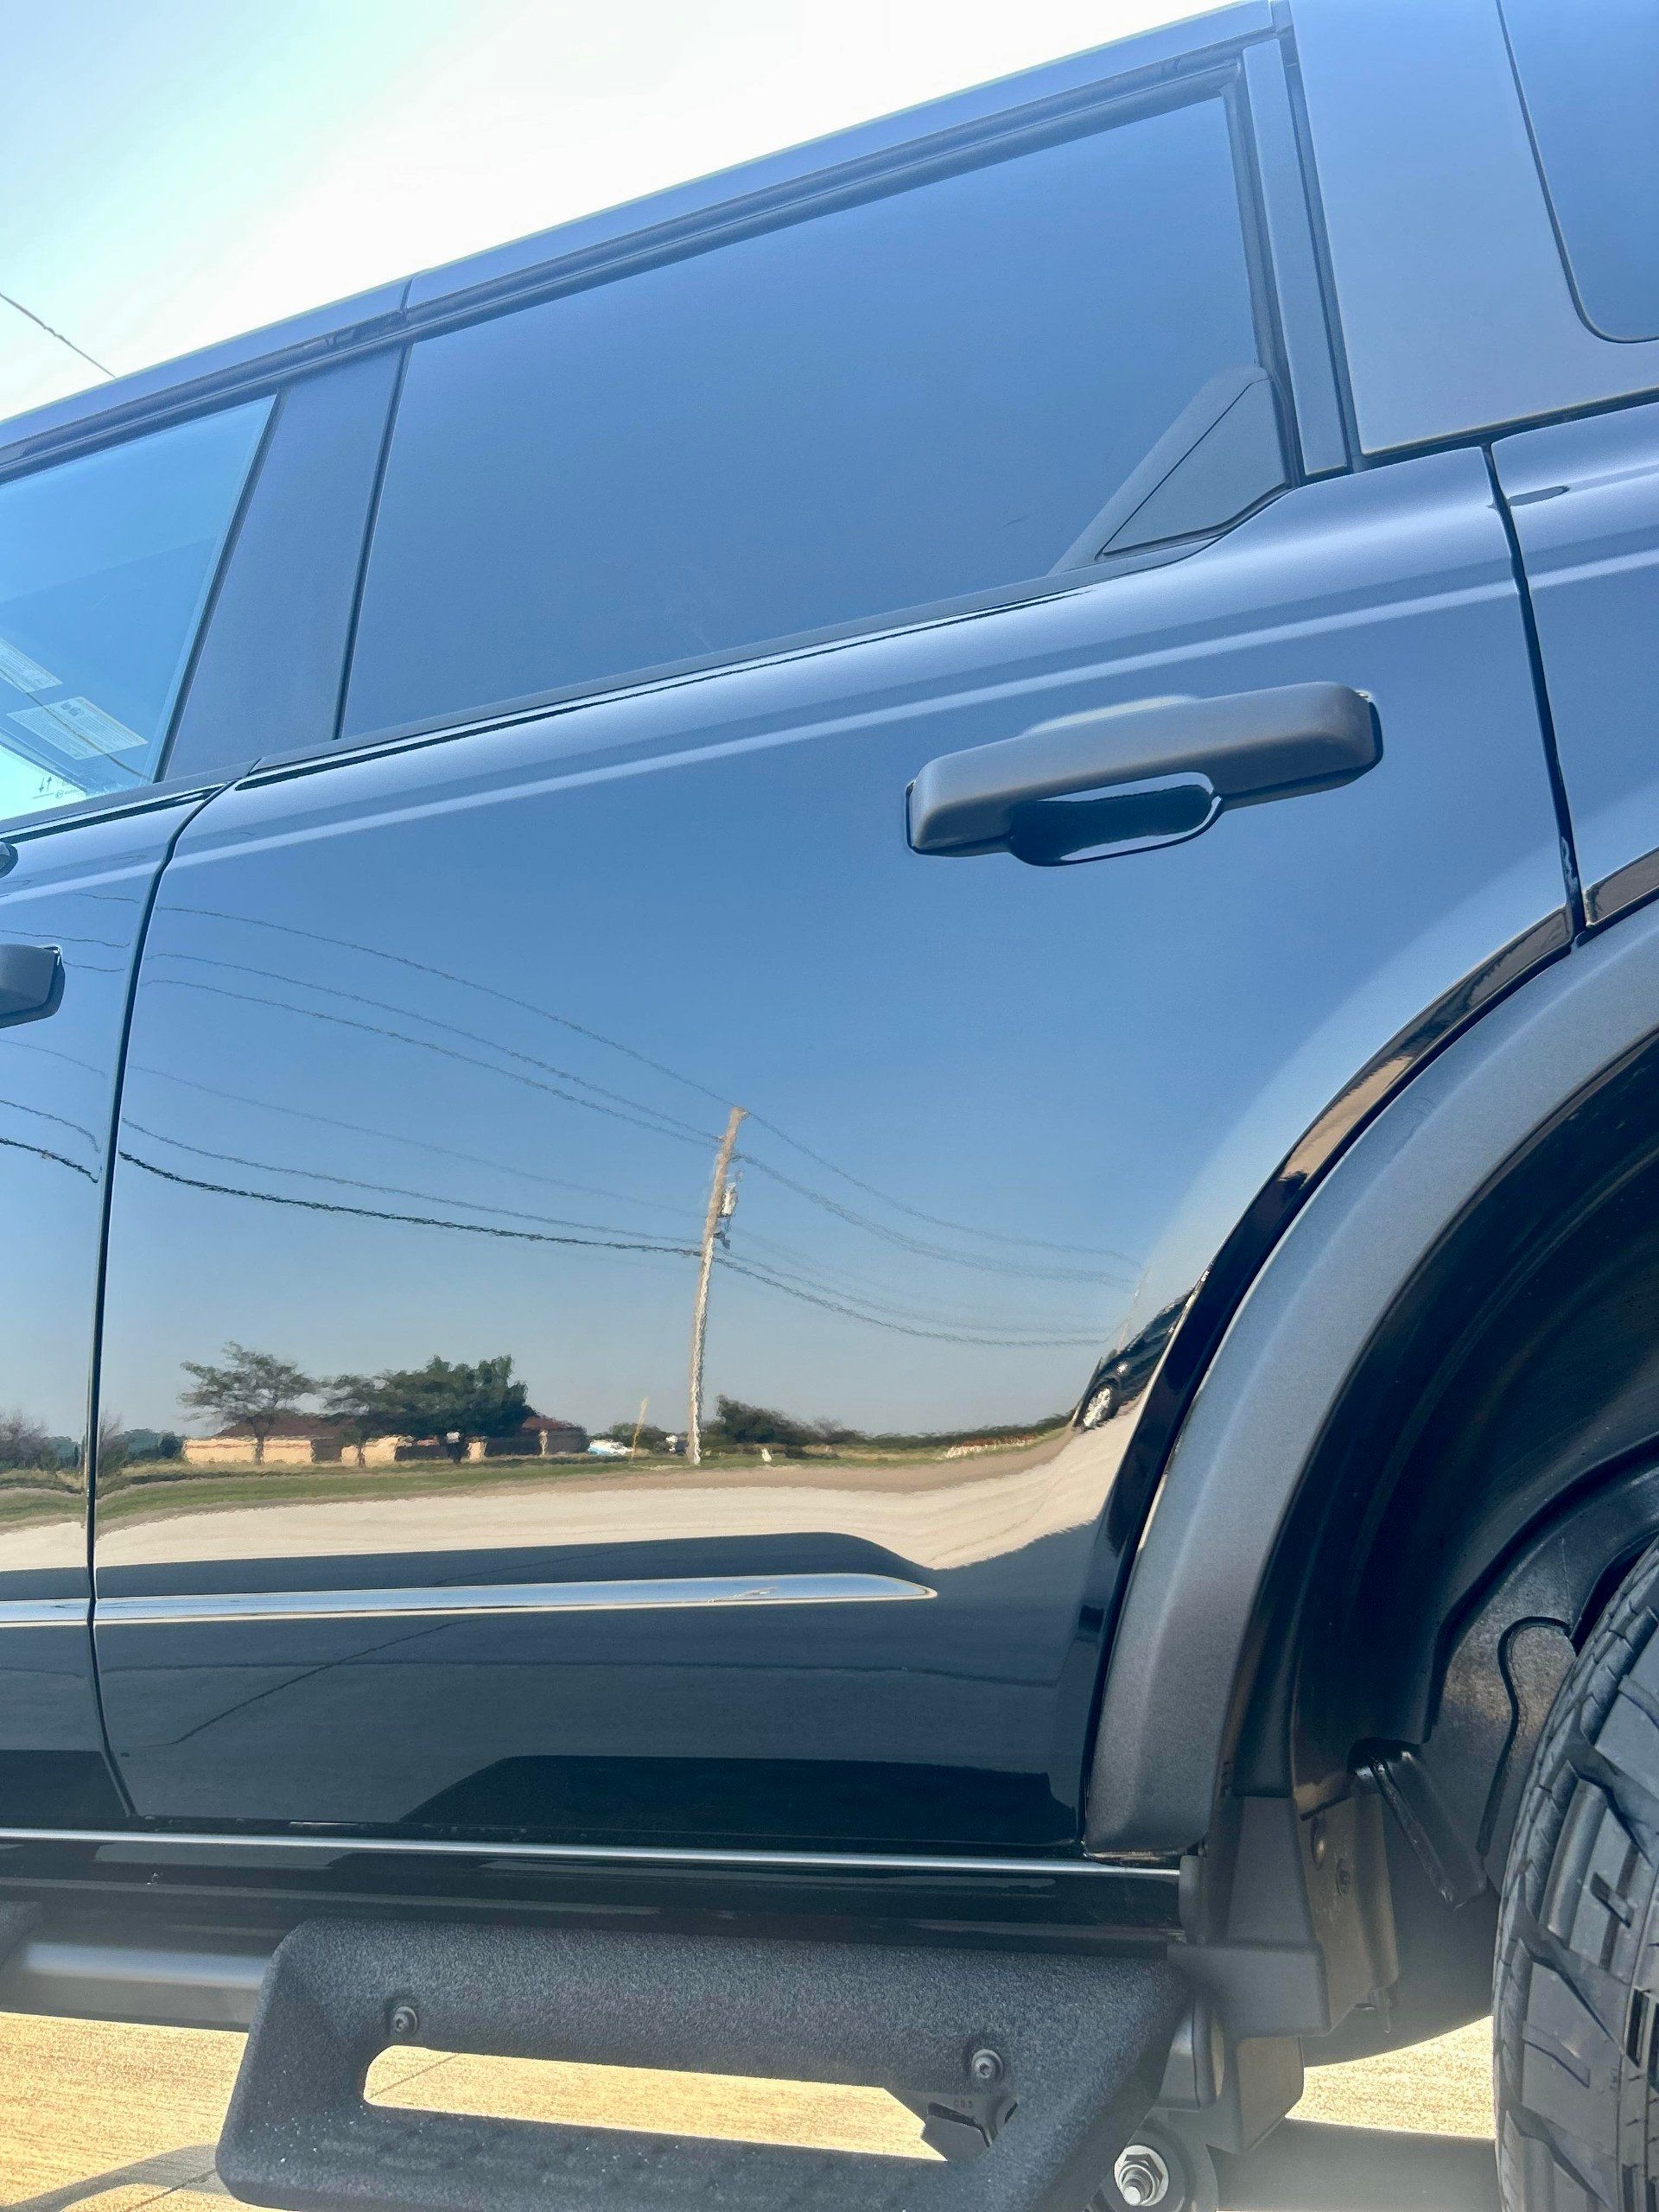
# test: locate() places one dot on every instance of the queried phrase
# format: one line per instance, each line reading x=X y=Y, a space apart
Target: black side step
x=1042 y=2063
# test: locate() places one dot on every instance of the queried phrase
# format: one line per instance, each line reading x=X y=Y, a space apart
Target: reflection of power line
x=849 y=1285
x=937 y=1221
x=906 y=1328
x=41 y=1152
x=649 y=1246
x=45 y=1114
x=412 y=1220
x=784 y=1259
x=418 y=1144
x=53 y=1052
x=358 y=1182
x=639 y=1115
x=427 y=1045
x=901 y=1237
x=433 y=1021
x=659 y=1067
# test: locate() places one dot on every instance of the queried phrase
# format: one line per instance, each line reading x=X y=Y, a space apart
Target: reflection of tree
x=114 y=1448
x=253 y=1388
x=24 y=1442
x=458 y=1403
x=739 y=1424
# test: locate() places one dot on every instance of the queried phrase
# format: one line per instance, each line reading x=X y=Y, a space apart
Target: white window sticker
x=78 y=727
x=17 y=668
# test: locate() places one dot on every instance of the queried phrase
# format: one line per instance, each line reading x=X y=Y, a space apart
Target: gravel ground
x=122 y=2117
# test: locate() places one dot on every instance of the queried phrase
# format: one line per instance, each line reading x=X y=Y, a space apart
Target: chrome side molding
x=463 y=1601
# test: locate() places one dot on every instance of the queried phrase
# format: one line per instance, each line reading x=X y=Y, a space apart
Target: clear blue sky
x=181 y=171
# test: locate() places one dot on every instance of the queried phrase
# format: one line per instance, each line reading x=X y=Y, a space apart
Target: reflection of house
x=301 y=1440
x=541 y=1436
x=296 y=1441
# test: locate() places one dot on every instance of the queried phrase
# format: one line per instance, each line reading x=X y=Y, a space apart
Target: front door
x=105 y=563
x=638 y=1252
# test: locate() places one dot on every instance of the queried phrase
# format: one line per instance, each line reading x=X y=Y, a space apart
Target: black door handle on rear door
x=31 y=981
x=1148 y=772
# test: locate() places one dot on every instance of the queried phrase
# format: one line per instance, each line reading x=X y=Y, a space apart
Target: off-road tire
x=1575 y=2009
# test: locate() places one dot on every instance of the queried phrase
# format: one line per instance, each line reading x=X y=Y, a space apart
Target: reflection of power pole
x=723 y=1196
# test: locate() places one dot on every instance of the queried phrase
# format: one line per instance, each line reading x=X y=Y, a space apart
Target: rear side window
x=918 y=397
x=105 y=563
x=1590 y=78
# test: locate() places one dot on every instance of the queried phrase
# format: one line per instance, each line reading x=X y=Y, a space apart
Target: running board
x=1029 y=2071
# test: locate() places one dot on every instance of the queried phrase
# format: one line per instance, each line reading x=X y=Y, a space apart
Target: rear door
x=585 y=1053
x=106 y=560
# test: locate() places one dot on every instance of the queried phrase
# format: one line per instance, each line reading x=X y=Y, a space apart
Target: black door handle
x=31 y=981
x=1150 y=772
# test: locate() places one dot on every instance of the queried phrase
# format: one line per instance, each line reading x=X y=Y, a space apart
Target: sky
x=177 y=173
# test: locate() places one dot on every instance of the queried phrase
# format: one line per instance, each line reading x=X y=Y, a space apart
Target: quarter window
x=918 y=397
x=105 y=563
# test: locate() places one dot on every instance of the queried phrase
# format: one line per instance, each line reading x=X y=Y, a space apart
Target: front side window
x=1590 y=79
x=105 y=563
x=920 y=397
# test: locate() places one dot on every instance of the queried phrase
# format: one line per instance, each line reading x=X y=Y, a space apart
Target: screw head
x=1141 y=2176
x=985 y=2067
x=404 y=2022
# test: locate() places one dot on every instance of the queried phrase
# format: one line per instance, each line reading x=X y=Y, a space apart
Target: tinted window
x=920 y=397
x=1590 y=78
x=105 y=565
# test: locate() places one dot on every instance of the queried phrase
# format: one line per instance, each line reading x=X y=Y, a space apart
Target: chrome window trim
x=466 y=1601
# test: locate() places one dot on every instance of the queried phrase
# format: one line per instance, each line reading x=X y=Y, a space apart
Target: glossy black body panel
x=85 y=892
x=432 y=1052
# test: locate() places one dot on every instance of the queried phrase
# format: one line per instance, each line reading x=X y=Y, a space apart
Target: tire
x=1575 y=2009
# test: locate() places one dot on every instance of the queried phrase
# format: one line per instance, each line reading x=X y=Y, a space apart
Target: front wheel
x=1575 y=2010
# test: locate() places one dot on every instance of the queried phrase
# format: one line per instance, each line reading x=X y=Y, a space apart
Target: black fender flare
x=1179 y=1654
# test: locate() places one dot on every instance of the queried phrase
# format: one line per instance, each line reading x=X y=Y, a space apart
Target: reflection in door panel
x=431 y=1059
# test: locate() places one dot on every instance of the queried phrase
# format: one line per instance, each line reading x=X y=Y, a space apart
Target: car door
x=105 y=561
x=594 y=1050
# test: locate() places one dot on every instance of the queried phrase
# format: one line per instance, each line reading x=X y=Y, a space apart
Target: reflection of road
x=938 y=1513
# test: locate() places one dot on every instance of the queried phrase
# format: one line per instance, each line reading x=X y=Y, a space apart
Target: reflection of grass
x=23 y=1500
x=172 y=1486
x=153 y=1488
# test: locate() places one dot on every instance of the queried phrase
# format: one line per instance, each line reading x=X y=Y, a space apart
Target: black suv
x=829 y=1139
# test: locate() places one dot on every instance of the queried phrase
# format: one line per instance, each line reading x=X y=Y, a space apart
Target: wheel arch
x=1277 y=1519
